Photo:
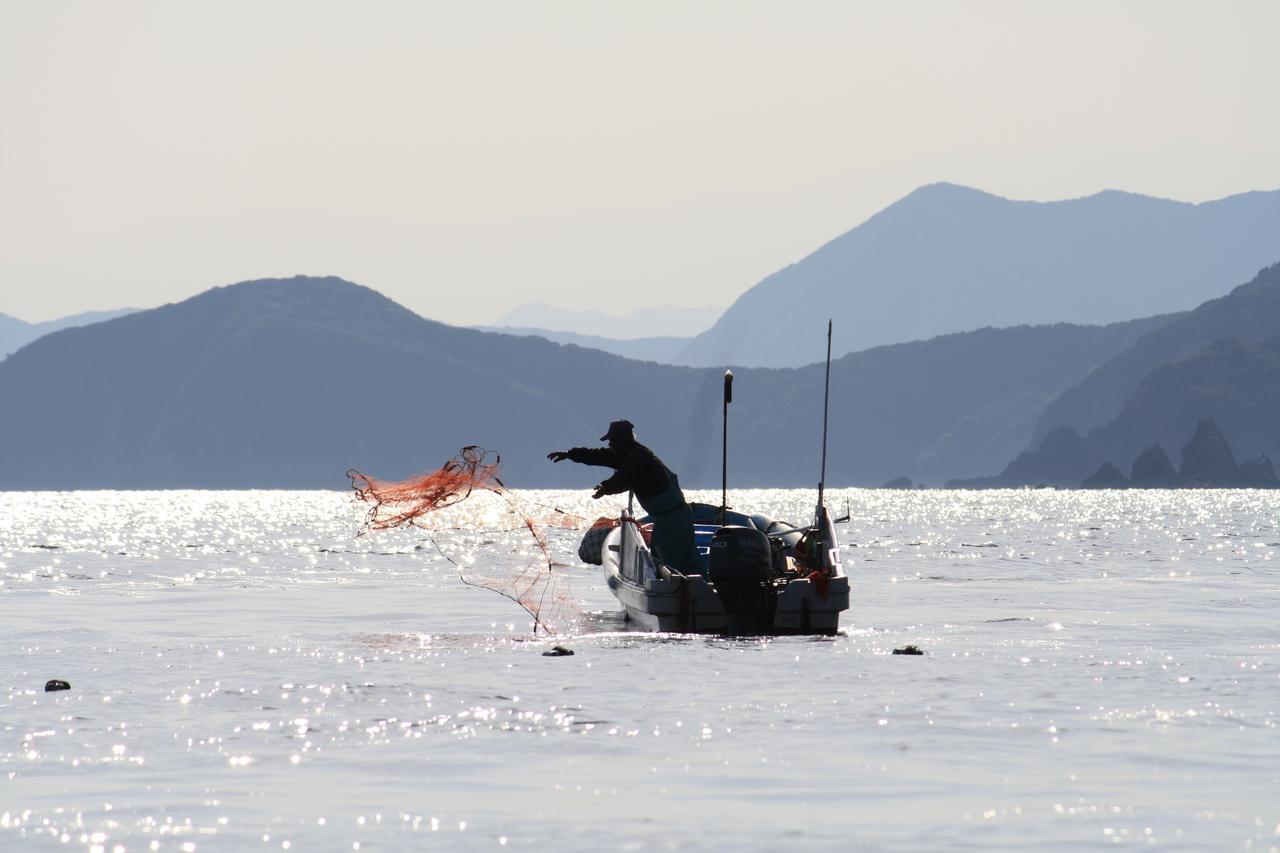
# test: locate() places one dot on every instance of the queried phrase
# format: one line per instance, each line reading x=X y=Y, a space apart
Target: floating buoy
x=56 y=684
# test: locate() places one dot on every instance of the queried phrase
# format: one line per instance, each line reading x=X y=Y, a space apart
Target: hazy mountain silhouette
x=15 y=333
x=658 y=349
x=962 y=402
x=1207 y=462
x=1220 y=361
x=286 y=383
x=1250 y=312
x=948 y=259
x=657 y=321
x=1235 y=383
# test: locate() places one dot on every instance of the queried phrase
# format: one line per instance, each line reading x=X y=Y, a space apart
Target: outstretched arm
x=617 y=484
x=601 y=456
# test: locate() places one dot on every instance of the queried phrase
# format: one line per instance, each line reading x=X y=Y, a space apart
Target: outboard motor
x=741 y=563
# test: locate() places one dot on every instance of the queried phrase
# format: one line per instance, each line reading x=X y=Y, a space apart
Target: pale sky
x=464 y=158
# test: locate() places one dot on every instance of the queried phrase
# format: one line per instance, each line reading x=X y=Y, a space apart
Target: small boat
x=766 y=577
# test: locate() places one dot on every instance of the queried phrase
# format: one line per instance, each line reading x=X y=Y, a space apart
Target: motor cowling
x=741 y=553
x=741 y=568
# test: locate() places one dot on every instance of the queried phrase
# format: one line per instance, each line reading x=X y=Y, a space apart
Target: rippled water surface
x=1102 y=668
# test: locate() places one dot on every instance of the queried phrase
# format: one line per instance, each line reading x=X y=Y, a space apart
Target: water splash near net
x=433 y=503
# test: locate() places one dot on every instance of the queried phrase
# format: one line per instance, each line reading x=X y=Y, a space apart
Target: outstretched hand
x=599 y=493
x=557 y=455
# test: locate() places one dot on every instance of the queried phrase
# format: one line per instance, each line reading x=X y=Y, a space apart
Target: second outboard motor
x=741 y=564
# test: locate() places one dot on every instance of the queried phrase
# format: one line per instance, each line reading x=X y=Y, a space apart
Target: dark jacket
x=636 y=469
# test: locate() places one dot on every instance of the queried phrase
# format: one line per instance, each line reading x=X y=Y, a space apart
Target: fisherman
x=656 y=486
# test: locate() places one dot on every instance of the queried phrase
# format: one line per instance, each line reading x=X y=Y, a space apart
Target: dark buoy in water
x=557 y=652
x=56 y=684
x=908 y=650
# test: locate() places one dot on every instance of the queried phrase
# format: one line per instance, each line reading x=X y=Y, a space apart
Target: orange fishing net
x=396 y=504
x=541 y=586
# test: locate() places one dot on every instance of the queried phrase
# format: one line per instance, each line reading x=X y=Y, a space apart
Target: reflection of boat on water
x=766 y=577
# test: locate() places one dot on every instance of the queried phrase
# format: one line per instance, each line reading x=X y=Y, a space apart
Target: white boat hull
x=657 y=599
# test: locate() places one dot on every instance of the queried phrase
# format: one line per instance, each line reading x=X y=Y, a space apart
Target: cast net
x=466 y=496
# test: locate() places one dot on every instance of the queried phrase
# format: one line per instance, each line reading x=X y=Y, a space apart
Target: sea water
x=246 y=672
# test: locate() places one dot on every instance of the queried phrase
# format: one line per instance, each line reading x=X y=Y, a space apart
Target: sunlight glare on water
x=247 y=673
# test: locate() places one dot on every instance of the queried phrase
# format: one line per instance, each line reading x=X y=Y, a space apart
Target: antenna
x=724 y=454
x=826 y=399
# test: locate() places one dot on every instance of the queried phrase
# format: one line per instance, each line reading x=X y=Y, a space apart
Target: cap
x=618 y=428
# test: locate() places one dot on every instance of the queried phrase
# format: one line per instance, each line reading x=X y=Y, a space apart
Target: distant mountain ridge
x=952 y=403
x=1250 y=312
x=1220 y=361
x=666 y=321
x=285 y=383
x=15 y=333
x=268 y=384
x=658 y=349
x=947 y=259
